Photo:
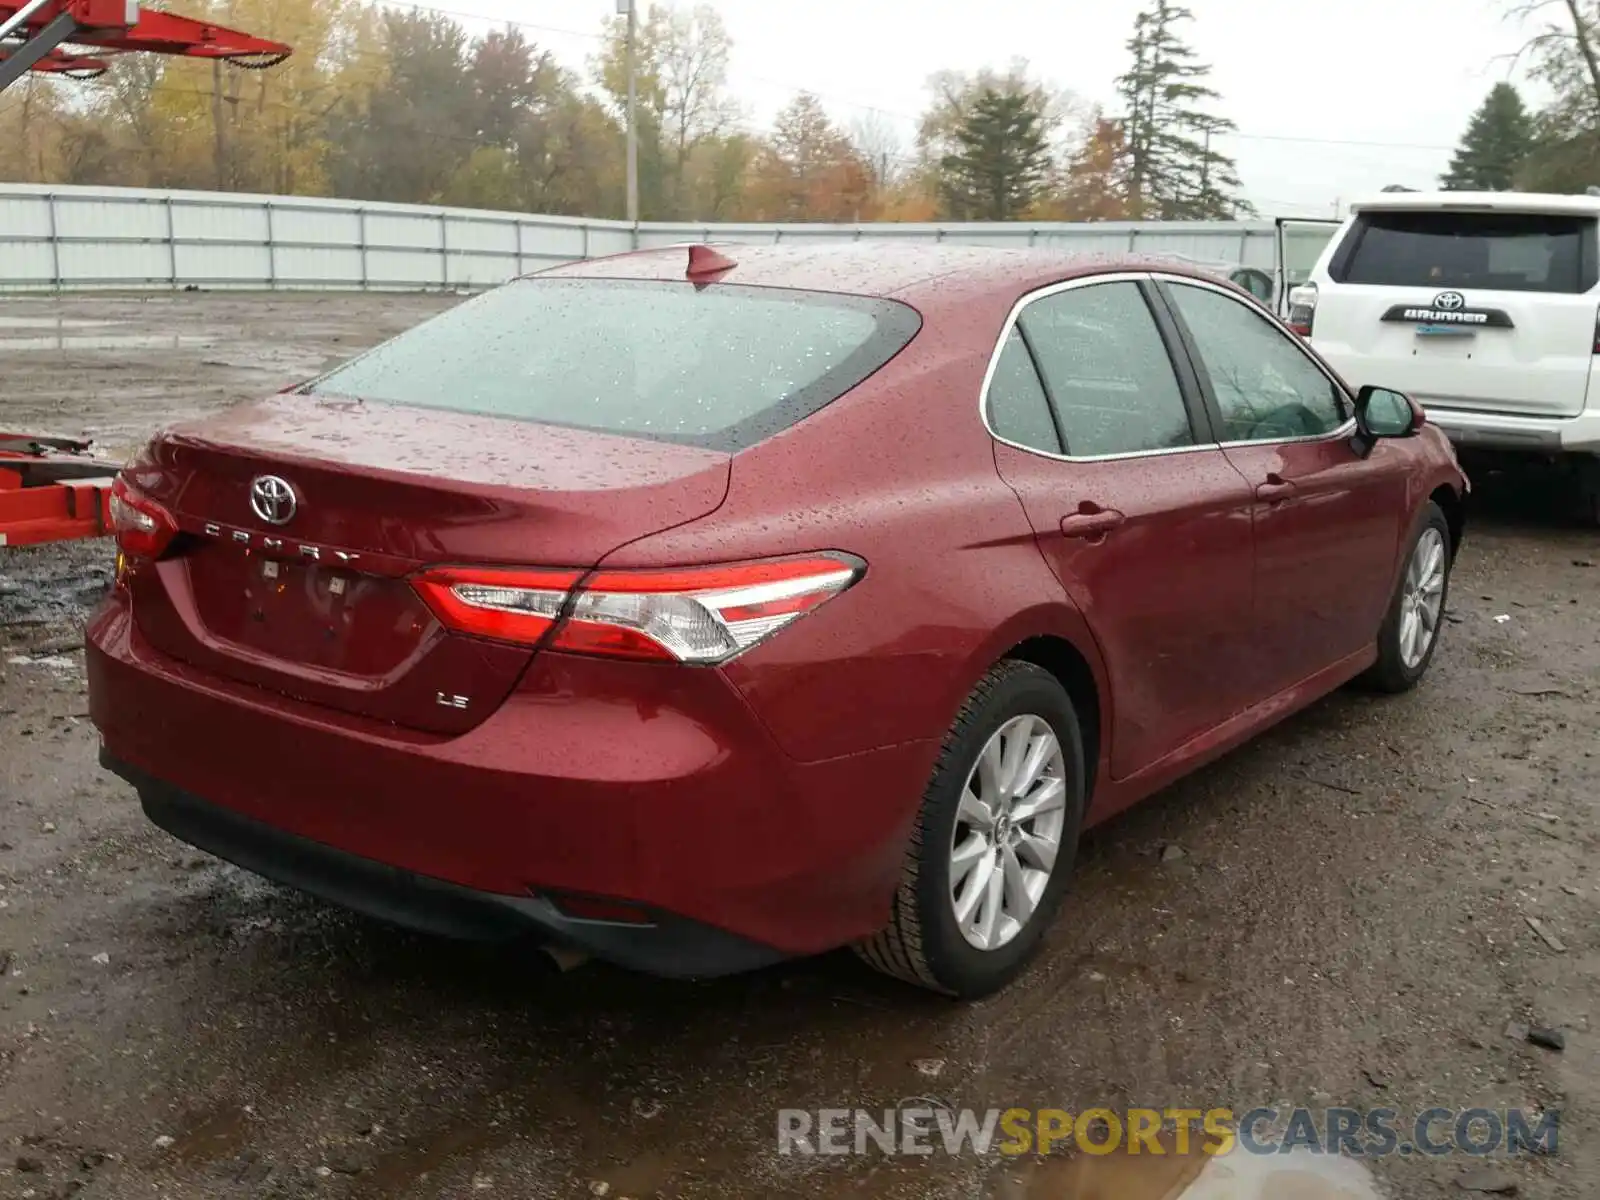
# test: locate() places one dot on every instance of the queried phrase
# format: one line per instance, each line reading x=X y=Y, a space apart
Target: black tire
x=1589 y=491
x=923 y=944
x=1390 y=673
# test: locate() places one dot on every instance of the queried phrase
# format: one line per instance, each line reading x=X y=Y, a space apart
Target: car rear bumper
x=667 y=945
x=582 y=784
x=1475 y=429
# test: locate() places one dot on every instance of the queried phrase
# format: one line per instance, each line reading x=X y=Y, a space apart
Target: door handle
x=1275 y=490
x=1090 y=522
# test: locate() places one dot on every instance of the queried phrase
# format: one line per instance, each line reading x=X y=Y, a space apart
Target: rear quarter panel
x=900 y=472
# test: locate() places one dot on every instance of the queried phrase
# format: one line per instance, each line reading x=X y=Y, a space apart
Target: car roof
x=910 y=271
x=1517 y=202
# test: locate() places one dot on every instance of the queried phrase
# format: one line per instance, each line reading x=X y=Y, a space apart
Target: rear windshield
x=720 y=367
x=1511 y=252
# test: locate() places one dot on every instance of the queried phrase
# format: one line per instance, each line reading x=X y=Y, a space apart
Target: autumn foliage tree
x=809 y=169
x=1095 y=185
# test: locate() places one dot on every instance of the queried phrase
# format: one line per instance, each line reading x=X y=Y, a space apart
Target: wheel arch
x=1072 y=670
x=1454 y=507
x=1056 y=639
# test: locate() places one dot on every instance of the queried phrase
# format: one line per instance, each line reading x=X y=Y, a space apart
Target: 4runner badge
x=1441 y=313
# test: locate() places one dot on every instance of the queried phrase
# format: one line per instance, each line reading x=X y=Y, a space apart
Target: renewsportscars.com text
x=1360 y=1133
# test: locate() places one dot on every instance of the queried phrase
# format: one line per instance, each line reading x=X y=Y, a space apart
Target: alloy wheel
x=1008 y=832
x=1422 y=598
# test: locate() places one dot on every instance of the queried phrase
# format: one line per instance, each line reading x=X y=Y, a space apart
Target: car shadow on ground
x=1533 y=499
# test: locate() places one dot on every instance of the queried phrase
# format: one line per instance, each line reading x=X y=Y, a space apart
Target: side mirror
x=1384 y=413
x=1255 y=281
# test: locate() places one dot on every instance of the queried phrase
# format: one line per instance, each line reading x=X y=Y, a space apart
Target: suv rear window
x=1501 y=251
x=721 y=367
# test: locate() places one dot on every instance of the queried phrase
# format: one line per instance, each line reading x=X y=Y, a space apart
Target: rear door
x=1137 y=511
x=1469 y=308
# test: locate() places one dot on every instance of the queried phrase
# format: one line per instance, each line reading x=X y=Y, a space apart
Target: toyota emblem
x=1449 y=301
x=272 y=499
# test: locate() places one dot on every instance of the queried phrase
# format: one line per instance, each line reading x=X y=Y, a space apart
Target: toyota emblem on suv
x=1449 y=301
x=272 y=499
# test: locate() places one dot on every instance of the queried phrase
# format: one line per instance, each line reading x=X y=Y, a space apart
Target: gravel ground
x=1346 y=923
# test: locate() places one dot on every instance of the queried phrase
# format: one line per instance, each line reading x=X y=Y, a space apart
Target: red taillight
x=509 y=606
x=1302 y=309
x=142 y=527
x=688 y=615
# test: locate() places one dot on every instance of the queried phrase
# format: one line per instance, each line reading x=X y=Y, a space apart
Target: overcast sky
x=1340 y=99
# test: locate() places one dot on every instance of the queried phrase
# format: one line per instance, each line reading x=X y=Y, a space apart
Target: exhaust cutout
x=565 y=960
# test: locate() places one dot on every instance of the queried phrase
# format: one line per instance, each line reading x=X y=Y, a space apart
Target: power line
x=1312 y=141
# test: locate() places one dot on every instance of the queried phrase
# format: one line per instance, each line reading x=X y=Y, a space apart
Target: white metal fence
x=79 y=238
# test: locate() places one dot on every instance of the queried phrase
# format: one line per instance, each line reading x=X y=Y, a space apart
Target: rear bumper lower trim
x=1501 y=431
x=673 y=947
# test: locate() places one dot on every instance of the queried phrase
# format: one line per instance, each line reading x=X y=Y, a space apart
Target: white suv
x=1484 y=306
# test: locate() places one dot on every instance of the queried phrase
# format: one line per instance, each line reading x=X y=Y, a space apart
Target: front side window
x=721 y=367
x=1265 y=386
x=1107 y=371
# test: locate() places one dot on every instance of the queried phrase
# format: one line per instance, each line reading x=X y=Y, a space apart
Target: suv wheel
x=994 y=841
x=1589 y=490
x=1410 y=631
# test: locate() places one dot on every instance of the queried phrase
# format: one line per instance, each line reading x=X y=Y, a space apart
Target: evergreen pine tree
x=1497 y=141
x=1175 y=170
x=1000 y=160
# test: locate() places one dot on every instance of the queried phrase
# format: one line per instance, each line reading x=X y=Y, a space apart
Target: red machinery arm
x=59 y=62
x=167 y=33
x=121 y=25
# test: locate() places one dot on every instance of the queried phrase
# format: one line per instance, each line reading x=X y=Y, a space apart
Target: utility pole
x=627 y=6
x=216 y=119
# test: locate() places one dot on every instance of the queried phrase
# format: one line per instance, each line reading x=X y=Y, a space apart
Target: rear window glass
x=1512 y=252
x=721 y=367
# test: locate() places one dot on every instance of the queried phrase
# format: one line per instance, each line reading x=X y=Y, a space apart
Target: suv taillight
x=1303 y=308
x=703 y=615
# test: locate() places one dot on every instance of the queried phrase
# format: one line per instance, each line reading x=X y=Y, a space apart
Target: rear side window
x=1511 y=252
x=1018 y=409
x=721 y=367
x=1107 y=371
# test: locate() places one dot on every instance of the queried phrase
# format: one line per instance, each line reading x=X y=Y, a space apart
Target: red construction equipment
x=51 y=489
x=35 y=28
x=58 y=62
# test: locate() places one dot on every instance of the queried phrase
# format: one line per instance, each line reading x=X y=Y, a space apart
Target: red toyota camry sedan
x=696 y=608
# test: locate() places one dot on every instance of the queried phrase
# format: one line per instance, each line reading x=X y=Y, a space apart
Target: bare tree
x=1564 y=49
x=681 y=58
x=693 y=67
x=878 y=142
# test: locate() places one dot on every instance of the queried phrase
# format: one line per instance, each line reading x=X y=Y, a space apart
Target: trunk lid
x=319 y=606
x=1489 y=309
